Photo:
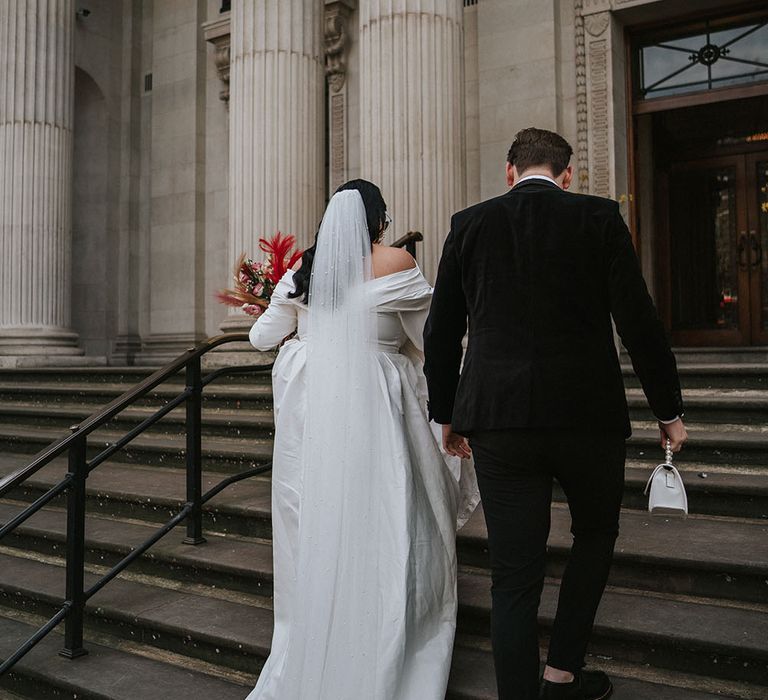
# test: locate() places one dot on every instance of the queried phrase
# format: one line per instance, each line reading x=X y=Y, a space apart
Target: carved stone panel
x=593 y=6
x=582 y=110
x=335 y=34
x=221 y=61
x=599 y=136
x=599 y=116
x=338 y=145
x=218 y=34
x=597 y=24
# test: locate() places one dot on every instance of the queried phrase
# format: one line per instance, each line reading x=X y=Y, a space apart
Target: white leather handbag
x=667 y=491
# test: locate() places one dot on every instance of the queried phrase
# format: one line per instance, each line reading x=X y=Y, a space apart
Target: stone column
x=36 y=114
x=412 y=114
x=276 y=161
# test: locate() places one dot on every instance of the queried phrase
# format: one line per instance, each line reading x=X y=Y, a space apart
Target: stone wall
x=526 y=77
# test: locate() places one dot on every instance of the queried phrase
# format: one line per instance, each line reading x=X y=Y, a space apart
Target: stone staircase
x=685 y=616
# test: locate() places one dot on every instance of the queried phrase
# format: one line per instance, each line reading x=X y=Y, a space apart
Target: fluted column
x=276 y=164
x=412 y=113
x=36 y=111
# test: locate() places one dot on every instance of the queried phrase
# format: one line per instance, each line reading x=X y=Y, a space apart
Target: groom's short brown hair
x=536 y=147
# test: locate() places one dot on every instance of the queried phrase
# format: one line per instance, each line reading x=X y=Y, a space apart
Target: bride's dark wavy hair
x=375 y=215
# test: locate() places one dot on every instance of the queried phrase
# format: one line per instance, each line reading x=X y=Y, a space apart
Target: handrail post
x=78 y=470
x=194 y=451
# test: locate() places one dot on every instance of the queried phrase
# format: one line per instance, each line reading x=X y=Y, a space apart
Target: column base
x=161 y=348
x=42 y=347
x=125 y=350
x=236 y=354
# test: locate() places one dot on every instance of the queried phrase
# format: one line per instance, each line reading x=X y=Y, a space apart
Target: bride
x=364 y=504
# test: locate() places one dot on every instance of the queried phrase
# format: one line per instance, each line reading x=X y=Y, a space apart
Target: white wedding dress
x=364 y=551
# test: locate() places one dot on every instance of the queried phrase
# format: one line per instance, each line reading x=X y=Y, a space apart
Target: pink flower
x=253 y=310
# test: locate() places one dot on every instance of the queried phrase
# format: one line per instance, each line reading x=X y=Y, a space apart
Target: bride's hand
x=454 y=444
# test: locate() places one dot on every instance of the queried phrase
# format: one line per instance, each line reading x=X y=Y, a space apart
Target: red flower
x=282 y=256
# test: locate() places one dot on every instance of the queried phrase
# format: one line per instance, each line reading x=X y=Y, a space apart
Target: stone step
x=230 y=632
x=630 y=682
x=711 y=355
x=217 y=422
x=231 y=418
x=715 y=557
x=667 y=632
x=55 y=405
x=723 y=490
x=733 y=375
x=232 y=396
x=113 y=673
x=230 y=635
x=699 y=364
x=723 y=444
x=105 y=673
x=737 y=445
x=664 y=631
x=119 y=489
x=153 y=494
x=80 y=375
x=710 y=392
x=224 y=563
x=115 y=375
x=7 y=695
x=220 y=454
x=710 y=406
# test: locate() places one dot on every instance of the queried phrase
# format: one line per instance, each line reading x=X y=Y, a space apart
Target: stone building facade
x=145 y=143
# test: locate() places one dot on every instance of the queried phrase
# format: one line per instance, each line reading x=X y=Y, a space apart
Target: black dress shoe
x=586 y=685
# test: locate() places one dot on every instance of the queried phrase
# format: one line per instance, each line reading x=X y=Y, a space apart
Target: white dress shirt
x=536 y=177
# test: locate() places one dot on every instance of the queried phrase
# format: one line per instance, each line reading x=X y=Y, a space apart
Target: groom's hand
x=454 y=444
x=675 y=432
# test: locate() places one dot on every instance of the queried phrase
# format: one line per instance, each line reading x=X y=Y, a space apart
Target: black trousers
x=515 y=470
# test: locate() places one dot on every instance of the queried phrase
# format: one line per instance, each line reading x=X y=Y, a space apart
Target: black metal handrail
x=409 y=241
x=79 y=467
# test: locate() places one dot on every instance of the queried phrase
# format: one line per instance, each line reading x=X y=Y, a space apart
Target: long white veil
x=339 y=520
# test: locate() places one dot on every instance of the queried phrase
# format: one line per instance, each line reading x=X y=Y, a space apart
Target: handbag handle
x=667 y=465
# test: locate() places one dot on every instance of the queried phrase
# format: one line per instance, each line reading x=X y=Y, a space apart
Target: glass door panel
x=705 y=248
x=758 y=246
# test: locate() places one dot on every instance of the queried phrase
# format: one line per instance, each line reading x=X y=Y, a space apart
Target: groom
x=539 y=273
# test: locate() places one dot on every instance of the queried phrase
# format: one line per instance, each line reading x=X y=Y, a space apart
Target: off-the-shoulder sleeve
x=409 y=295
x=413 y=325
x=279 y=320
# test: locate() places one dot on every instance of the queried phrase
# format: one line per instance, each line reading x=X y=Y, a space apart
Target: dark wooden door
x=707 y=252
x=757 y=217
x=715 y=240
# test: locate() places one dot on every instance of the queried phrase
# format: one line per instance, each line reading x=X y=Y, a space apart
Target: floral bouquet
x=255 y=281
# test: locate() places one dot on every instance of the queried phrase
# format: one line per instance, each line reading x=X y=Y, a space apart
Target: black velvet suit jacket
x=538 y=273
